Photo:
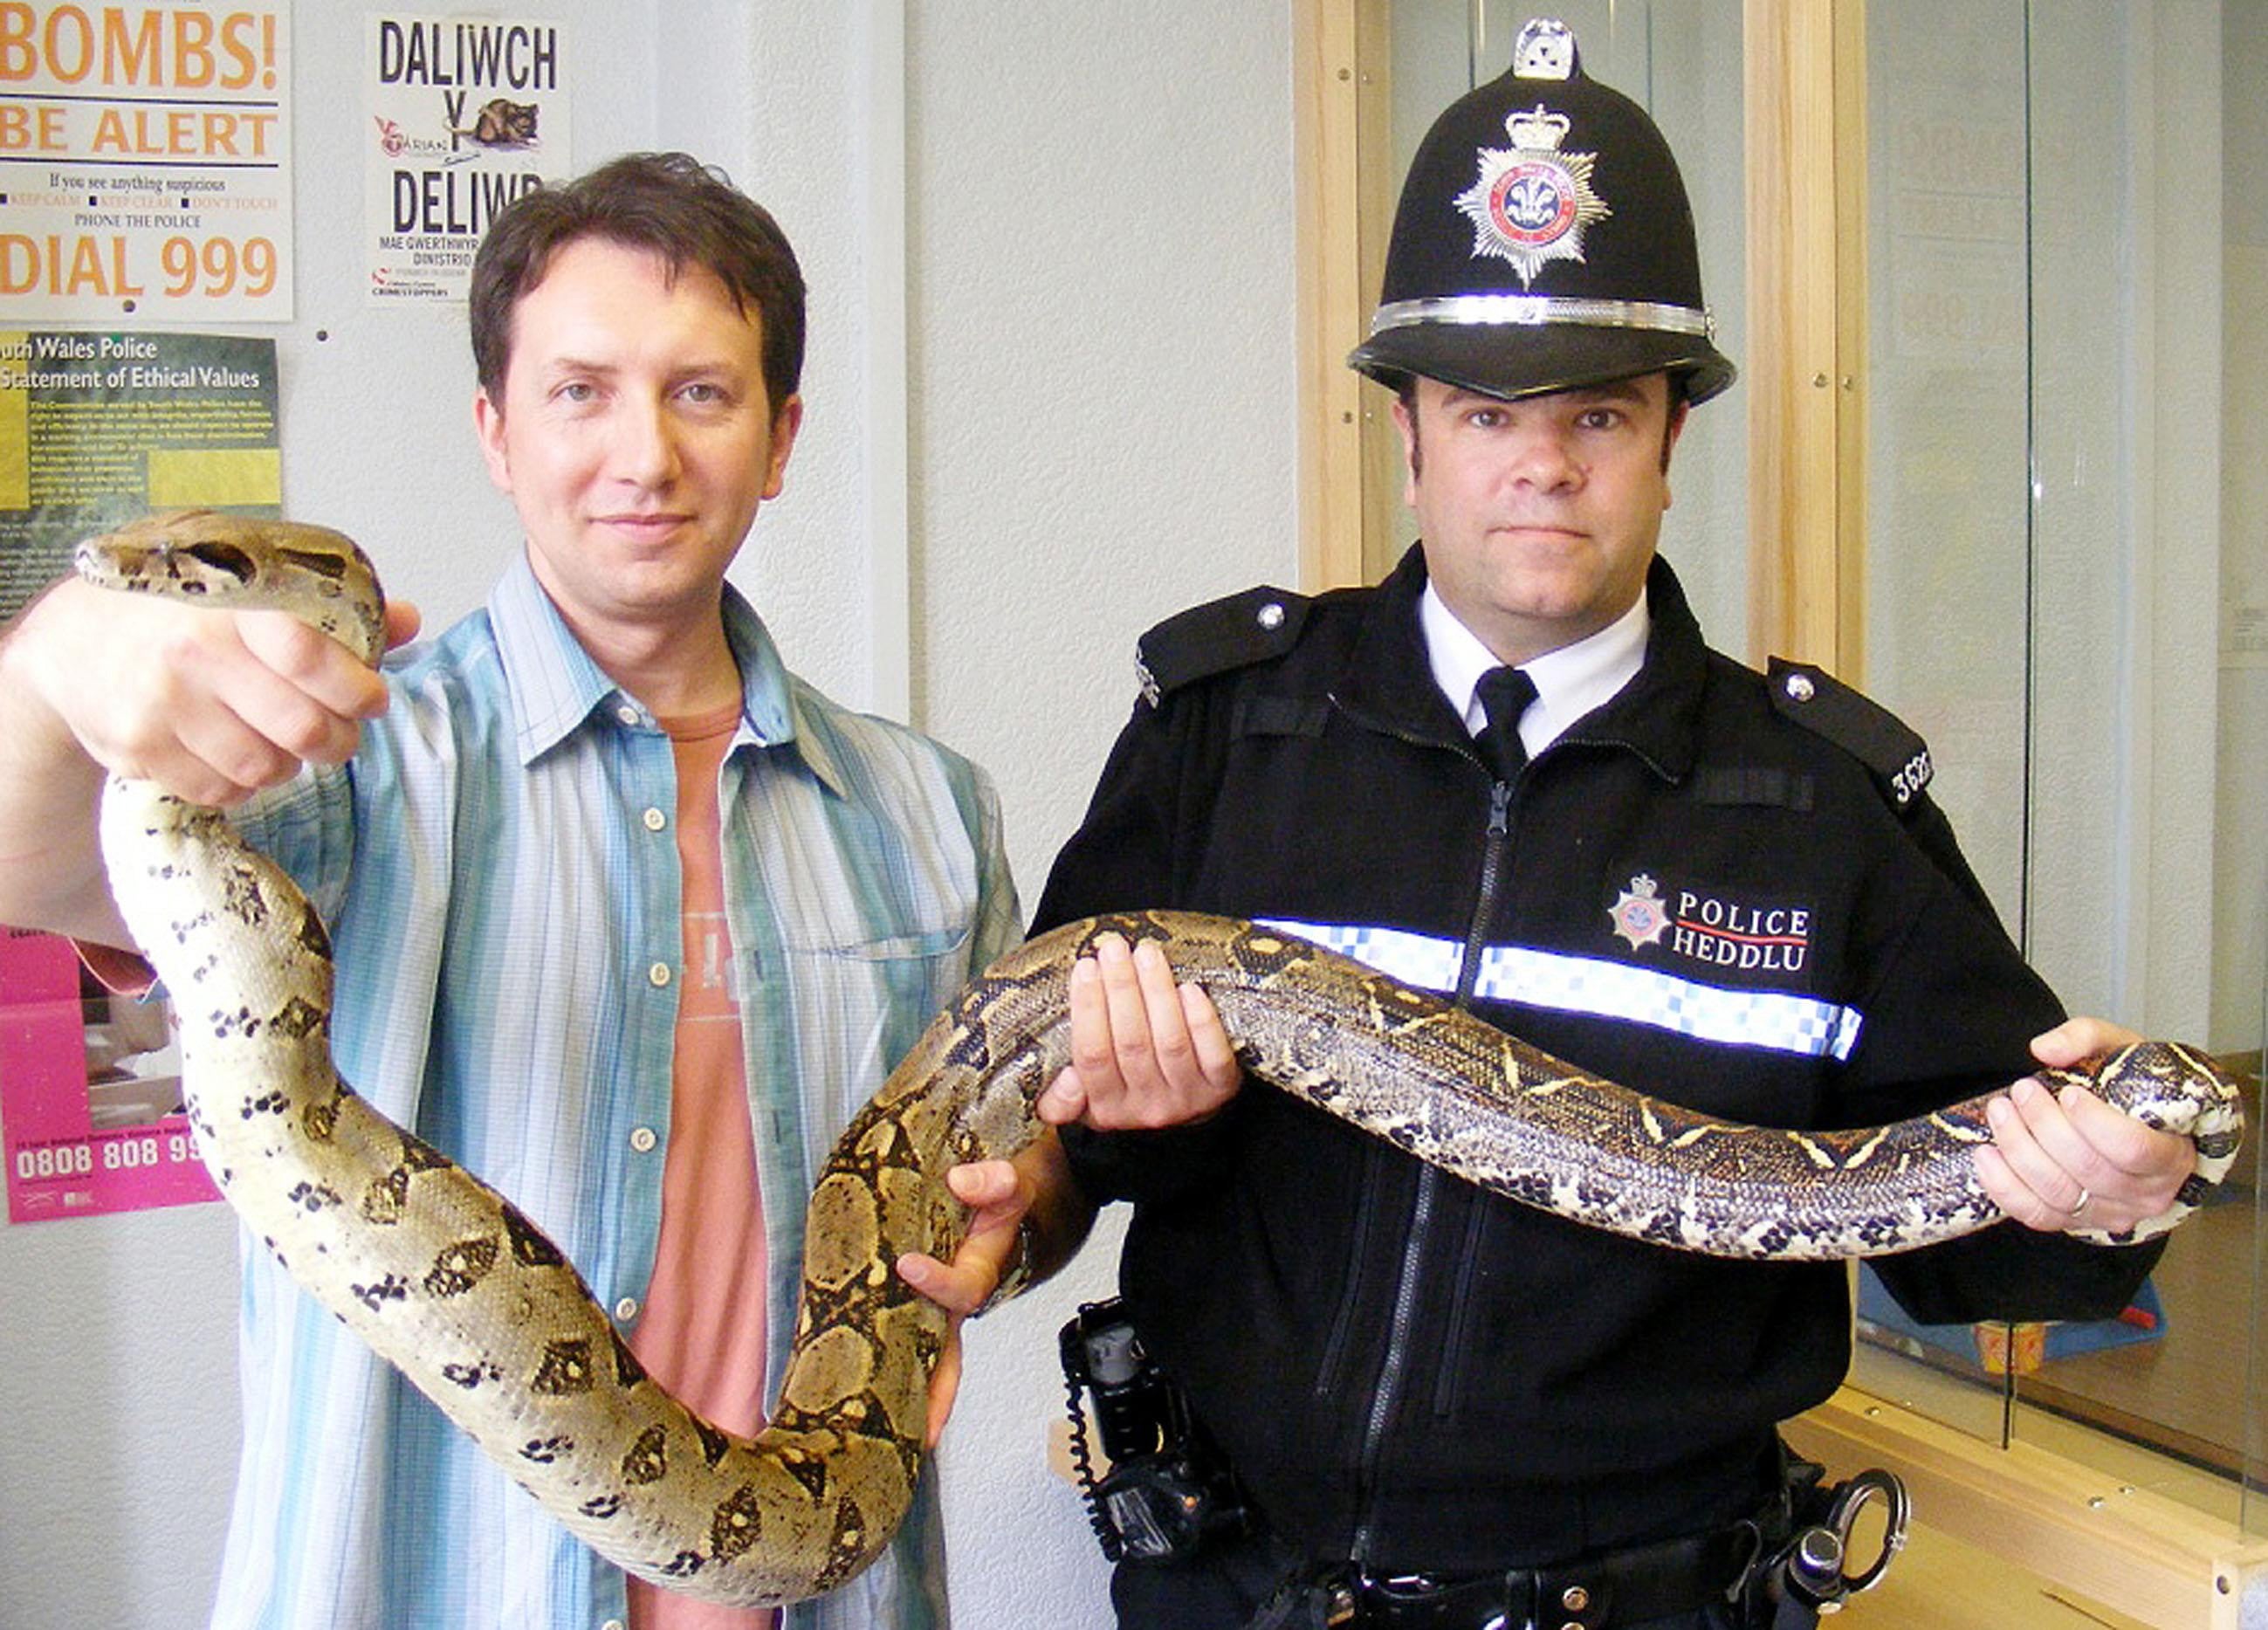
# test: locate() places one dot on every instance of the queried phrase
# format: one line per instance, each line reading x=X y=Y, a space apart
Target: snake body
x=446 y=1279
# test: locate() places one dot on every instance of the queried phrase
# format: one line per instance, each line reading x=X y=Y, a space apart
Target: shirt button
x=659 y=974
x=655 y=820
x=626 y=1310
x=1269 y=617
x=642 y=1140
x=1799 y=688
x=612 y=1623
x=627 y=714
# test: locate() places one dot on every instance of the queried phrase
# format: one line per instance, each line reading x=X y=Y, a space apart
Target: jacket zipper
x=1499 y=833
x=1393 y=1373
x=1337 y=1347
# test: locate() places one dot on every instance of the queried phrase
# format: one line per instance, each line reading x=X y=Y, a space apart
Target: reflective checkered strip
x=1776 y=1021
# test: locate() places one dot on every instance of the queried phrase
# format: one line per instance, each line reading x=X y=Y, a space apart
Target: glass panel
x=2240 y=973
x=1680 y=59
x=2067 y=496
x=1948 y=575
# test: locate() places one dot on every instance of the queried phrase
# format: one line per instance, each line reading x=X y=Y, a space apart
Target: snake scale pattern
x=446 y=1281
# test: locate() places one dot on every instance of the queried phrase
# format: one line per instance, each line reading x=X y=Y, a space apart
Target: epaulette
x=1869 y=732
x=1216 y=637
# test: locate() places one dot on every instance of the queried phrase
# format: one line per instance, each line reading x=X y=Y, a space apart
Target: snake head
x=187 y=553
x=206 y=557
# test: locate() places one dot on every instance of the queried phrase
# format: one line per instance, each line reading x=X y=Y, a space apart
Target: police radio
x=1168 y=1489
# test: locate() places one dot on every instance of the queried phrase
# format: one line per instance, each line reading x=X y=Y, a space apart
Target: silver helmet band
x=1540 y=310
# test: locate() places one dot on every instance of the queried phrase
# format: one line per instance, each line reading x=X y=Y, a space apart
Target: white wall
x=1052 y=322
x=1103 y=384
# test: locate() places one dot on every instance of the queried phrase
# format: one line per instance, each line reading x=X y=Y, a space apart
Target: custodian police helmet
x=1543 y=242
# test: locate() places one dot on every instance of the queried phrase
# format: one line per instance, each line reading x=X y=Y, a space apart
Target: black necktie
x=1504 y=694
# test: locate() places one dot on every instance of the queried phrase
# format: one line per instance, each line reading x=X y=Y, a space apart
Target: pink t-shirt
x=701 y=1334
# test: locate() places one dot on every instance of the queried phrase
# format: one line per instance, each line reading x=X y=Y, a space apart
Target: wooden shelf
x=2083 y=1535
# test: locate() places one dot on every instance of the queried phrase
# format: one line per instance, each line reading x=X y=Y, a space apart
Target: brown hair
x=670 y=204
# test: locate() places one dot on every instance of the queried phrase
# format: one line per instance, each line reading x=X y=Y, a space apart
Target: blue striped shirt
x=502 y=885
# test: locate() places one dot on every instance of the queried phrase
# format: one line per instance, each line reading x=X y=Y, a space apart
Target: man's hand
x=211 y=705
x=1146 y=1052
x=2061 y=1161
x=999 y=1194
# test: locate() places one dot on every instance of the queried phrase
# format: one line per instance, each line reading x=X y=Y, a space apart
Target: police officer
x=1514 y=772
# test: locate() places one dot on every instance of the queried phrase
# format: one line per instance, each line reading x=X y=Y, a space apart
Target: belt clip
x=1312 y=1599
x=1813 y=1567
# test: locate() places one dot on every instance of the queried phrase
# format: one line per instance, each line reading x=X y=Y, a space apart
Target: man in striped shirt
x=629 y=918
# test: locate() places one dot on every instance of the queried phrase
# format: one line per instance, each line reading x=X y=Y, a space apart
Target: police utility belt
x=1168 y=1492
x=1785 y=1568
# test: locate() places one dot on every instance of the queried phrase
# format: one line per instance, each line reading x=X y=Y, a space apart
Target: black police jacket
x=1708 y=890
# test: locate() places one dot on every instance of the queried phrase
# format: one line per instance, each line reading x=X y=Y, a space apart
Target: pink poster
x=90 y=1092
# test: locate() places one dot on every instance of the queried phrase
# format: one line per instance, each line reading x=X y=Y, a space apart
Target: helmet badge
x=1533 y=199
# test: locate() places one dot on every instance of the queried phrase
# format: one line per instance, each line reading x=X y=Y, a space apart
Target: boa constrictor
x=446 y=1280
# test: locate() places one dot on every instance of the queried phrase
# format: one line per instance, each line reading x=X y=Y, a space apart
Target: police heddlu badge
x=1532 y=201
x=1639 y=914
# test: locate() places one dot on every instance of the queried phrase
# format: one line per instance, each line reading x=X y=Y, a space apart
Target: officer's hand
x=2060 y=1160
x=1146 y=1052
x=210 y=704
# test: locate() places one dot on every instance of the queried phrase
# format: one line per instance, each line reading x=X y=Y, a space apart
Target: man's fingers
x=2078 y=1039
x=1162 y=1016
x=2099 y=1148
x=1091 y=1053
x=1216 y=1054
x=213 y=759
x=213 y=705
x=1146 y=1052
x=2014 y=1196
x=2119 y=1141
x=324 y=672
x=997 y=1197
x=954 y=1288
x=2071 y=1160
x=402 y=622
x=1129 y=1011
x=1064 y=1101
x=943 y=1387
x=2033 y=1135
x=979 y=1183
x=254 y=727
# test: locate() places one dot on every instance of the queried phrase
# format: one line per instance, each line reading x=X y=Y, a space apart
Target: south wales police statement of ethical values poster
x=96 y=428
x=465 y=115
x=145 y=163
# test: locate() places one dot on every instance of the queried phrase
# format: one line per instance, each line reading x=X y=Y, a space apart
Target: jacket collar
x=554 y=685
x=1389 y=682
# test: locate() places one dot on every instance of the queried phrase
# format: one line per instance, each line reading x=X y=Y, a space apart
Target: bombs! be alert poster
x=145 y=162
